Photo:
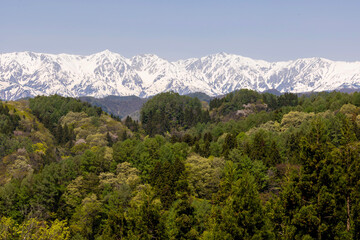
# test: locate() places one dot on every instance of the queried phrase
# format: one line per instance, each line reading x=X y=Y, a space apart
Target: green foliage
x=144 y=215
x=255 y=167
x=204 y=175
x=166 y=178
x=87 y=218
x=287 y=169
x=131 y=124
x=170 y=111
x=235 y=100
x=181 y=220
x=123 y=151
x=241 y=215
x=244 y=98
x=50 y=109
x=8 y=122
x=33 y=229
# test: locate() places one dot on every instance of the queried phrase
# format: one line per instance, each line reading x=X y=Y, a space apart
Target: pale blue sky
x=271 y=30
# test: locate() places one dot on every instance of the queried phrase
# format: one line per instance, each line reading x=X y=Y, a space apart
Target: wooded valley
x=248 y=165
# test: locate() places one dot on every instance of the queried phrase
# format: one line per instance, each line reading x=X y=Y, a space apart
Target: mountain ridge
x=26 y=74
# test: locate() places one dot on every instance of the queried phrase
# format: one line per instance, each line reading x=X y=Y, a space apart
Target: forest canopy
x=245 y=166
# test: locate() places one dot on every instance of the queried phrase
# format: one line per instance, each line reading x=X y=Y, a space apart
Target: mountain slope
x=119 y=106
x=25 y=74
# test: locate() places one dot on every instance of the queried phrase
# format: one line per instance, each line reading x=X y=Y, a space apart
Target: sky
x=271 y=30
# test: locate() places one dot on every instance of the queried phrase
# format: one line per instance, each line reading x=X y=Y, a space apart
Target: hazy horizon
x=175 y=60
x=271 y=31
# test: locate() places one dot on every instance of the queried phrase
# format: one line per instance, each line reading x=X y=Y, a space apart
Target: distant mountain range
x=119 y=106
x=26 y=74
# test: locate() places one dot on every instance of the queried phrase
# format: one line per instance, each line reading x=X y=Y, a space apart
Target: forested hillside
x=245 y=166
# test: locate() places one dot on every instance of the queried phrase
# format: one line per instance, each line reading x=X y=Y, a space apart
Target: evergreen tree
x=229 y=143
x=241 y=216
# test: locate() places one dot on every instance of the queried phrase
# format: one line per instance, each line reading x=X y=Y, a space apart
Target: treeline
x=236 y=100
x=168 y=111
x=9 y=121
x=315 y=102
x=284 y=172
x=49 y=110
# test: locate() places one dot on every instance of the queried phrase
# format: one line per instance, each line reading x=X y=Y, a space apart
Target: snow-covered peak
x=146 y=61
x=106 y=52
x=105 y=73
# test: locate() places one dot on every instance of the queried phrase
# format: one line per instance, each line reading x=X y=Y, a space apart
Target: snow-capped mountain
x=24 y=74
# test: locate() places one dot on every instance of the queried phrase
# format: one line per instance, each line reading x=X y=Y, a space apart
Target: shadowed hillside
x=119 y=106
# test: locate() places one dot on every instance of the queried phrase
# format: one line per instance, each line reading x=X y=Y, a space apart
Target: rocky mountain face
x=26 y=74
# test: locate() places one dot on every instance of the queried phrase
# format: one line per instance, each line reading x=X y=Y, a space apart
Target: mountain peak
x=107 y=73
x=223 y=54
x=146 y=55
x=106 y=51
x=217 y=55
